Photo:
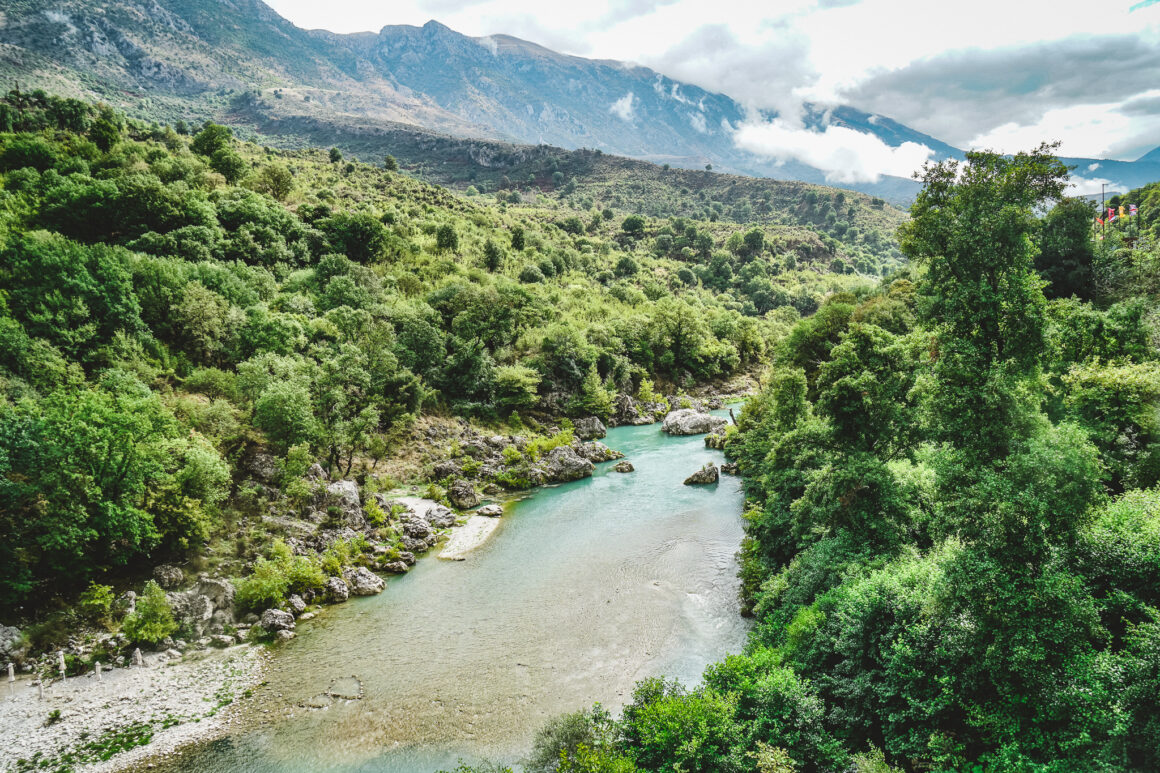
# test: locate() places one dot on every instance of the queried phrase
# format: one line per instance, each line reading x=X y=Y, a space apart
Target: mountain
x=195 y=59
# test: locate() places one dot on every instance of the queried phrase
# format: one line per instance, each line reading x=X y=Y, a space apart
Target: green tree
x=493 y=256
x=152 y=620
x=390 y=163
x=593 y=399
x=335 y=155
x=212 y=138
x=446 y=238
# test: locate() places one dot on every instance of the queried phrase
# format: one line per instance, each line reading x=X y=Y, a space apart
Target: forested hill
x=170 y=303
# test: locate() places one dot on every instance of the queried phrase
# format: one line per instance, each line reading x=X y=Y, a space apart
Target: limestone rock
x=220 y=593
x=316 y=473
x=589 y=428
x=284 y=635
x=192 y=611
x=363 y=582
x=491 y=511
x=690 y=422
x=707 y=474
x=625 y=466
x=448 y=468
x=564 y=464
x=337 y=590
x=715 y=440
x=168 y=576
x=396 y=567
x=263 y=468
x=439 y=517
x=277 y=620
x=598 y=452
x=731 y=468
x=221 y=641
x=296 y=604
x=462 y=495
x=12 y=644
x=417 y=529
x=344 y=496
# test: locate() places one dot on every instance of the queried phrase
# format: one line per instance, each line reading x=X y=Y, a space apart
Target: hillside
x=240 y=301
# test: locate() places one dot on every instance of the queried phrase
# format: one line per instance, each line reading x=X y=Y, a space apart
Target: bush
x=96 y=603
x=152 y=620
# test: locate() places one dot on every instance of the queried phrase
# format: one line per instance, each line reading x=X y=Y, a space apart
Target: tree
x=228 y=164
x=515 y=388
x=390 y=163
x=518 y=238
x=633 y=225
x=493 y=256
x=335 y=155
x=971 y=227
x=446 y=238
x=1066 y=250
x=274 y=180
x=593 y=399
x=212 y=138
x=152 y=619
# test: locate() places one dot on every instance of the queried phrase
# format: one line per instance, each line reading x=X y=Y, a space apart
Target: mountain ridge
x=167 y=59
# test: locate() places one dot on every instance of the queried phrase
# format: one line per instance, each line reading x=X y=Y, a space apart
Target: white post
x=137 y=659
x=40 y=688
x=11 y=679
x=63 y=673
x=99 y=679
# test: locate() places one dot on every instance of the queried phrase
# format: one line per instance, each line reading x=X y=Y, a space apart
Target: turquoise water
x=584 y=589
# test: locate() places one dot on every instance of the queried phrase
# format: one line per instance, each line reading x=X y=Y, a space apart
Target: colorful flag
x=1100 y=220
x=1132 y=209
x=1111 y=212
x=1122 y=214
x=1112 y=219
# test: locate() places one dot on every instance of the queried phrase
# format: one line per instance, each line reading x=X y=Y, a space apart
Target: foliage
x=152 y=620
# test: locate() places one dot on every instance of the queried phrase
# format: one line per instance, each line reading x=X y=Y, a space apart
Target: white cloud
x=1085 y=186
x=698 y=122
x=845 y=155
x=622 y=108
x=1093 y=167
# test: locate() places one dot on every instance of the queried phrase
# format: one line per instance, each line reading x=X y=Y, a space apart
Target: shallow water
x=584 y=589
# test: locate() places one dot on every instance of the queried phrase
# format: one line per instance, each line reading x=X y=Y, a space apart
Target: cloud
x=1085 y=186
x=697 y=120
x=1093 y=167
x=845 y=155
x=960 y=95
x=623 y=107
x=764 y=76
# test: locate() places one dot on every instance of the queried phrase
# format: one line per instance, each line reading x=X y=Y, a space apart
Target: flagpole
x=1103 y=211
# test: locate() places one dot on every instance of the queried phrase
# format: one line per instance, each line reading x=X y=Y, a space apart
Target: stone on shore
x=563 y=464
x=277 y=620
x=337 y=590
x=491 y=511
x=625 y=466
x=462 y=495
x=589 y=428
x=363 y=582
x=707 y=474
x=344 y=497
x=687 y=421
x=168 y=576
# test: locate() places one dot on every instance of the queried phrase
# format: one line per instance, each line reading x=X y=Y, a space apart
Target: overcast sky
x=1002 y=74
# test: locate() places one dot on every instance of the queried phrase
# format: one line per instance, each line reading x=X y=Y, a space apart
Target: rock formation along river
x=584 y=589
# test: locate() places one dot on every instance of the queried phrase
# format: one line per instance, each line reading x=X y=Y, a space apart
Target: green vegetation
x=171 y=303
x=953 y=520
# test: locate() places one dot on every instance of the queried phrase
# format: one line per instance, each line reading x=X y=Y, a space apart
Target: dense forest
x=953 y=531
x=172 y=299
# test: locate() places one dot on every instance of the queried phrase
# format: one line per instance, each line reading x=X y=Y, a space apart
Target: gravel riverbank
x=129 y=715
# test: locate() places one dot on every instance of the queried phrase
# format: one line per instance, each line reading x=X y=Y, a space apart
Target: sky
x=986 y=73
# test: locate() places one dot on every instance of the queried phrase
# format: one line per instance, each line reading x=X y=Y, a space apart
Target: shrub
x=96 y=603
x=152 y=620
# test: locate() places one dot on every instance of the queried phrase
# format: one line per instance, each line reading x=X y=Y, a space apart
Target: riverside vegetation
x=214 y=354
x=953 y=527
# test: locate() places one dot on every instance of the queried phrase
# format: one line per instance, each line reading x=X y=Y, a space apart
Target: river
x=583 y=590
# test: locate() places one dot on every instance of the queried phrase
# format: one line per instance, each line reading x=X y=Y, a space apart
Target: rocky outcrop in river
x=688 y=421
x=706 y=475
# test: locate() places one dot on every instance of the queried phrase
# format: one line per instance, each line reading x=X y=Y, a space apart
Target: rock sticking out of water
x=707 y=474
x=625 y=466
x=688 y=421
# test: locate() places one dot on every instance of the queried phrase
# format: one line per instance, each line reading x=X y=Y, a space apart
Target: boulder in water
x=625 y=466
x=687 y=421
x=707 y=474
x=337 y=589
